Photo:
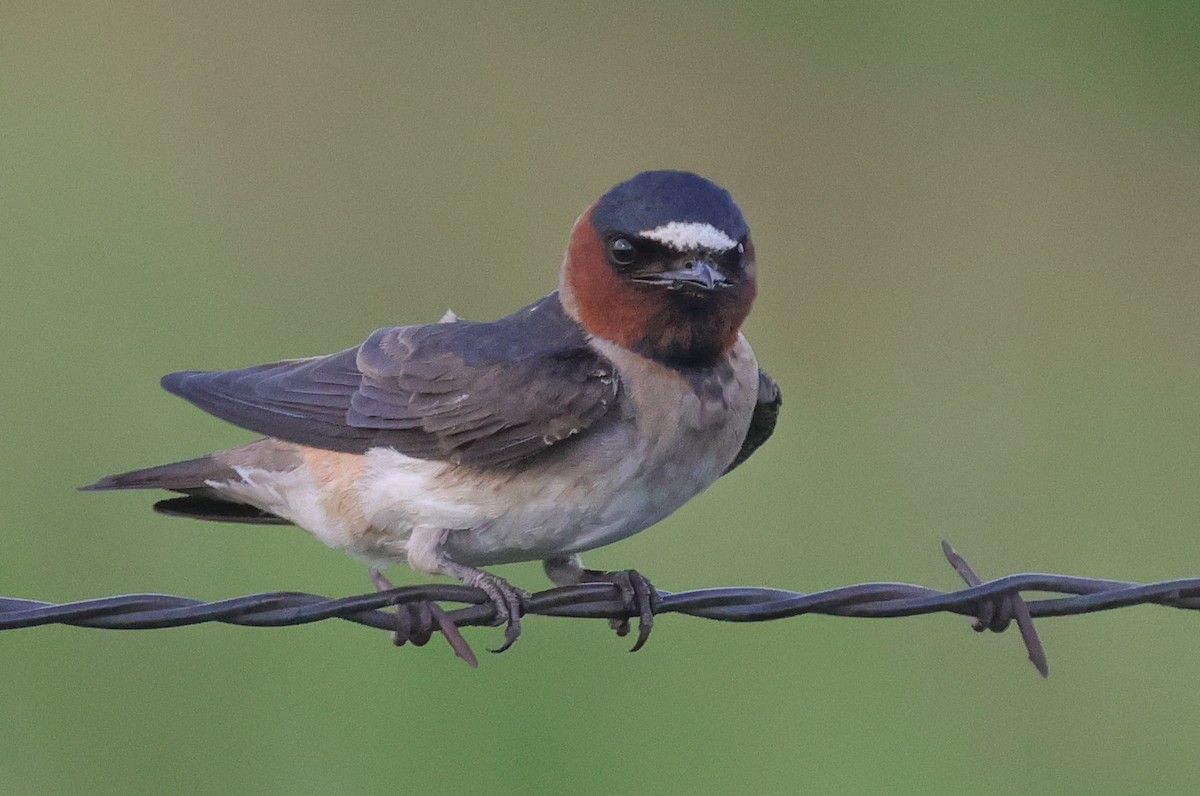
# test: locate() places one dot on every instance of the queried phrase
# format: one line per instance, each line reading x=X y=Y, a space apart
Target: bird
x=583 y=418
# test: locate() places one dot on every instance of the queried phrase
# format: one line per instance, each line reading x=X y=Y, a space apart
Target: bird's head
x=662 y=264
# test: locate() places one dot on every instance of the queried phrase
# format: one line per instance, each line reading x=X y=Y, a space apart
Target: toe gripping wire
x=413 y=614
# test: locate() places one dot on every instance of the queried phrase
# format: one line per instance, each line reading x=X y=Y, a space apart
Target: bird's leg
x=639 y=594
x=425 y=554
x=416 y=622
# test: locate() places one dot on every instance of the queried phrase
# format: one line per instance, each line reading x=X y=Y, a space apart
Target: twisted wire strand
x=993 y=604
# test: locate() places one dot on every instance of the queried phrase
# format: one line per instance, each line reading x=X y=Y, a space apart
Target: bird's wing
x=762 y=422
x=487 y=395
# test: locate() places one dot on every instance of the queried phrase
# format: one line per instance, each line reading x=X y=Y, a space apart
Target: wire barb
x=995 y=614
x=416 y=615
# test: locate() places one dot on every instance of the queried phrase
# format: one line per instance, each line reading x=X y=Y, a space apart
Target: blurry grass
x=978 y=244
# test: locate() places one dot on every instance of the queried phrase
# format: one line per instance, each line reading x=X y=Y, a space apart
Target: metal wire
x=994 y=605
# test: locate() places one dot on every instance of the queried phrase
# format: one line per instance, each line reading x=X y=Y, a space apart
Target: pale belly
x=597 y=505
x=608 y=489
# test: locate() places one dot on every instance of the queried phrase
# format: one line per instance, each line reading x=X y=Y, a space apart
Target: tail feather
x=202 y=507
x=186 y=476
x=199 y=481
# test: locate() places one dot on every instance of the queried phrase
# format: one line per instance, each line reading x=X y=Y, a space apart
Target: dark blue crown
x=654 y=198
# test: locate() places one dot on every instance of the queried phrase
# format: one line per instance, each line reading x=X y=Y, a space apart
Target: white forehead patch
x=688 y=235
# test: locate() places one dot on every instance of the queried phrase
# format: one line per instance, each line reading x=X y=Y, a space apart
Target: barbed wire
x=994 y=605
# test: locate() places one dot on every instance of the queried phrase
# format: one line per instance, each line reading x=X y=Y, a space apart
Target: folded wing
x=487 y=395
x=762 y=422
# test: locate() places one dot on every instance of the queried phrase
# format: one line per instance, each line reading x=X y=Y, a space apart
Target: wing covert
x=481 y=394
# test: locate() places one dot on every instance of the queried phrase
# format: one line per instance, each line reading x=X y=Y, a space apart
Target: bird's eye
x=621 y=251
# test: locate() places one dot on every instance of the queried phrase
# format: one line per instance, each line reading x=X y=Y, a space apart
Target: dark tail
x=186 y=476
x=201 y=507
x=191 y=478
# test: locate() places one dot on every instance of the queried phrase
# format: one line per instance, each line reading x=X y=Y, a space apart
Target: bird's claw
x=508 y=600
x=641 y=600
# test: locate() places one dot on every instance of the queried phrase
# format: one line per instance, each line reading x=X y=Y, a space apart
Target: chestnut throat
x=679 y=329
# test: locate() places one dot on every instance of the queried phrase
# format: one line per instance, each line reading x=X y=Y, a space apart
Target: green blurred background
x=978 y=229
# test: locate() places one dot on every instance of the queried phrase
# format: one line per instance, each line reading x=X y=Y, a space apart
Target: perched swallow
x=578 y=420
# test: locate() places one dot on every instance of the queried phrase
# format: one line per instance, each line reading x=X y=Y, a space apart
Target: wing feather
x=762 y=422
x=482 y=394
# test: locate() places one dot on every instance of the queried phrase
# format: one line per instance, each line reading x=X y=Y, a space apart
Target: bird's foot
x=641 y=598
x=425 y=554
x=508 y=600
x=417 y=621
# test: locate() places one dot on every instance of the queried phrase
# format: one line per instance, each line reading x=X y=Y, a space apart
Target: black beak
x=697 y=273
